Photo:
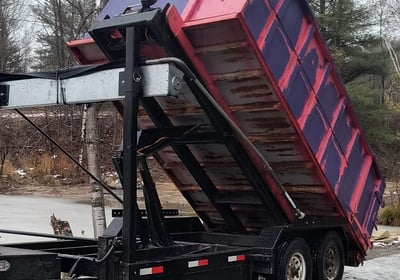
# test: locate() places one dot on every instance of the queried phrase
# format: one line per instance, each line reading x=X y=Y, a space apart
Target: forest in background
x=363 y=38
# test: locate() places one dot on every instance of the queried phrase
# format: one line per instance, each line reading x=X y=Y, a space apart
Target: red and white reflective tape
x=198 y=263
x=151 y=270
x=239 y=258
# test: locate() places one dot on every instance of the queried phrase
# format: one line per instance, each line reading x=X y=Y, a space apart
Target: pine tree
x=346 y=29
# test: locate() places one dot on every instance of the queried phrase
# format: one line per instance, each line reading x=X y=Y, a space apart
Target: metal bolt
x=137 y=77
x=176 y=83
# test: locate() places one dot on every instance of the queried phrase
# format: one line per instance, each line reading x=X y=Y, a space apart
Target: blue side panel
x=256 y=15
x=291 y=17
x=310 y=63
x=116 y=7
x=328 y=98
x=274 y=3
x=276 y=51
x=331 y=162
x=297 y=94
x=325 y=115
x=315 y=128
x=351 y=175
x=370 y=223
x=365 y=199
x=343 y=129
x=179 y=4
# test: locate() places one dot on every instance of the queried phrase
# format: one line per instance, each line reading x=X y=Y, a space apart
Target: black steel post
x=155 y=217
x=132 y=89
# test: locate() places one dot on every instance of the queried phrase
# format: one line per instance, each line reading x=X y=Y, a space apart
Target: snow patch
x=384 y=268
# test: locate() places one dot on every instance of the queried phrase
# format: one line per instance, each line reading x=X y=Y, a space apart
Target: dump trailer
x=240 y=103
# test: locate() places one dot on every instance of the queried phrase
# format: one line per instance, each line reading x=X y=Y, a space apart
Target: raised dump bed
x=267 y=66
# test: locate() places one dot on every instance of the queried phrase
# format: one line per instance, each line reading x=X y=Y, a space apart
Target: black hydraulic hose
x=74 y=267
x=106 y=256
x=98 y=261
x=107 y=188
x=181 y=65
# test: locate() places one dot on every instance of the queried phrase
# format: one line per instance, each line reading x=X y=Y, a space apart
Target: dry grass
x=65 y=167
x=390 y=215
x=43 y=168
x=44 y=164
x=8 y=168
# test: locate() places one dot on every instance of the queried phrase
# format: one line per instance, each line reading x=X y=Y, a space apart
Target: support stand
x=132 y=90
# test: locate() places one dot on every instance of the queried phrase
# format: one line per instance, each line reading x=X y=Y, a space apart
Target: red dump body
x=267 y=66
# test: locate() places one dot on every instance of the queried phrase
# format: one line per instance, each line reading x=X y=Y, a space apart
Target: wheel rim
x=331 y=262
x=296 y=269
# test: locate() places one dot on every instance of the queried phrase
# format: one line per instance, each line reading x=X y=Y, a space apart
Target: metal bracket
x=4 y=95
x=158 y=80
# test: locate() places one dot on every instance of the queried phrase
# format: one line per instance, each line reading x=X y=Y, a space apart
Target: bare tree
x=92 y=151
x=11 y=60
x=90 y=130
x=7 y=143
x=62 y=21
x=11 y=55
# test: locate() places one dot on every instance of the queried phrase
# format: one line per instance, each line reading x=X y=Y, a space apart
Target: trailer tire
x=294 y=261
x=330 y=258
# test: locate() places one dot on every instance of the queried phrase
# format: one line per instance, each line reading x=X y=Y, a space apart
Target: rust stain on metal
x=217 y=164
x=269 y=123
x=236 y=55
x=255 y=95
x=249 y=88
x=184 y=111
x=240 y=76
x=288 y=165
x=241 y=188
x=257 y=106
x=306 y=189
x=222 y=47
x=273 y=138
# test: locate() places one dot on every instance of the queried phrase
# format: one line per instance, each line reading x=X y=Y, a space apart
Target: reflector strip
x=151 y=270
x=198 y=263
x=239 y=258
